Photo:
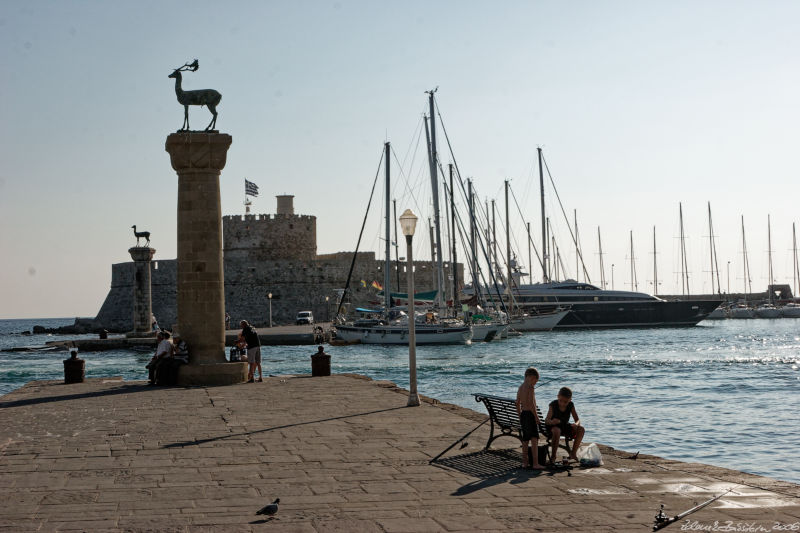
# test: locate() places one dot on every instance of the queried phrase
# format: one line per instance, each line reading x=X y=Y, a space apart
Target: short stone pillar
x=142 y=295
x=320 y=363
x=198 y=158
x=74 y=368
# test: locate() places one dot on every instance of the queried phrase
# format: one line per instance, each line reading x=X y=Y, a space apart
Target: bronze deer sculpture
x=141 y=235
x=203 y=97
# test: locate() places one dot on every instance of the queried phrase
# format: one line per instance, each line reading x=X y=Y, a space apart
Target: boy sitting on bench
x=557 y=420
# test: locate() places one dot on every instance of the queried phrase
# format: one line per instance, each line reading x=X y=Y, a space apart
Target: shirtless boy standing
x=528 y=418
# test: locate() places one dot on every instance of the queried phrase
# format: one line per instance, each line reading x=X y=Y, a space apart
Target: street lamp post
x=408 y=221
x=327 y=309
x=269 y=296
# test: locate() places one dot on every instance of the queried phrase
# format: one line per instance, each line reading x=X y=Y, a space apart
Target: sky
x=638 y=107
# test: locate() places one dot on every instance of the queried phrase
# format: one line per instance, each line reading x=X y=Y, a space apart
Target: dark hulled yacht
x=592 y=307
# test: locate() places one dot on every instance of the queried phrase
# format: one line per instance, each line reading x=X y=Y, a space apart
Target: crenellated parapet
x=268 y=237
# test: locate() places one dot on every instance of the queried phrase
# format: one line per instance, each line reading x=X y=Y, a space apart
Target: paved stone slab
x=342 y=452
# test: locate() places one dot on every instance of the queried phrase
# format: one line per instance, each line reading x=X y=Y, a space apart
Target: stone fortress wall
x=266 y=254
x=270 y=237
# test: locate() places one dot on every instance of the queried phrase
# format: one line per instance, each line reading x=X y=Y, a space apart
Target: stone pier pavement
x=343 y=454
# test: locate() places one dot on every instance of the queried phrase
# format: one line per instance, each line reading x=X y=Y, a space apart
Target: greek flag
x=250 y=188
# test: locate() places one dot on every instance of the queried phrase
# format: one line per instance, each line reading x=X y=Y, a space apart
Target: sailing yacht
x=392 y=325
x=741 y=310
x=792 y=309
x=768 y=310
x=393 y=329
x=593 y=307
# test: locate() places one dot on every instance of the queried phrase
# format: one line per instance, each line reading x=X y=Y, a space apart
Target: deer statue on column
x=141 y=235
x=203 y=97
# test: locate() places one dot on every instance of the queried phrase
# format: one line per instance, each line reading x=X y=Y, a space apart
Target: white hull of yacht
x=488 y=332
x=741 y=312
x=543 y=322
x=790 y=311
x=717 y=314
x=399 y=334
x=768 y=312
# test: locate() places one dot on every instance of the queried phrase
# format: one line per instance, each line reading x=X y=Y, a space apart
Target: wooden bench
x=503 y=414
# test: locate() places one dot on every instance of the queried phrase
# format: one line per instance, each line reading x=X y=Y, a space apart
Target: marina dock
x=275 y=336
x=343 y=453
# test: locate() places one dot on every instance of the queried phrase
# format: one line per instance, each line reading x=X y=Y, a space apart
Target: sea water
x=723 y=393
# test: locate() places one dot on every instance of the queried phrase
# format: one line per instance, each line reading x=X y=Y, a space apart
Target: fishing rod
x=663 y=520
x=538 y=383
x=459 y=440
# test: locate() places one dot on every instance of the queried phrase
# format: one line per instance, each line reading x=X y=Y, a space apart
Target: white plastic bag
x=590 y=455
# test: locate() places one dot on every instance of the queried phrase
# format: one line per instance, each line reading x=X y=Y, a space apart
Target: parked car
x=304 y=317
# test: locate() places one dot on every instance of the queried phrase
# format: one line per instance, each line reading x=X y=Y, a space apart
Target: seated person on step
x=167 y=373
x=163 y=351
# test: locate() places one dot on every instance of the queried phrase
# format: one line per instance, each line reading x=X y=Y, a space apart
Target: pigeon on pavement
x=270 y=509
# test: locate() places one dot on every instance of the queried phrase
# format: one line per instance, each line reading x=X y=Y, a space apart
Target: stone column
x=142 y=296
x=198 y=158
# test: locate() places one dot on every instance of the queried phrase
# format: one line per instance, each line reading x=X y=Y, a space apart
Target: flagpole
x=250 y=189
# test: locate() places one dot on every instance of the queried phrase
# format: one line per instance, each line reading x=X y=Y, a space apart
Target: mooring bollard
x=320 y=363
x=74 y=368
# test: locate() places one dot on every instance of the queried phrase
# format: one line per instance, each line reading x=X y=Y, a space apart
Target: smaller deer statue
x=141 y=235
x=203 y=97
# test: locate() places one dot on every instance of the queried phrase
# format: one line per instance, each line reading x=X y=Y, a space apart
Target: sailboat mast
x=633 y=275
x=795 y=270
x=577 y=247
x=493 y=258
x=435 y=191
x=510 y=282
x=600 y=253
x=472 y=237
x=454 y=263
x=684 y=262
x=545 y=256
x=714 y=254
x=744 y=262
x=396 y=246
x=530 y=257
x=655 y=264
x=711 y=247
x=769 y=257
x=386 y=273
x=434 y=276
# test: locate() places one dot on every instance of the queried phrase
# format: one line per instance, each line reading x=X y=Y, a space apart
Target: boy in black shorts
x=528 y=418
x=558 y=420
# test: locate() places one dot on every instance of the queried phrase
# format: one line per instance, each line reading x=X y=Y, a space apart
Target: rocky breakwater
x=81 y=326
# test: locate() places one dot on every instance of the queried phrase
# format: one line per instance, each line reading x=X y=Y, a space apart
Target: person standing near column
x=253 y=351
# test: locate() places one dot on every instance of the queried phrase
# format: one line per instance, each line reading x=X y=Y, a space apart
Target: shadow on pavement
x=492 y=467
x=232 y=435
x=124 y=389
